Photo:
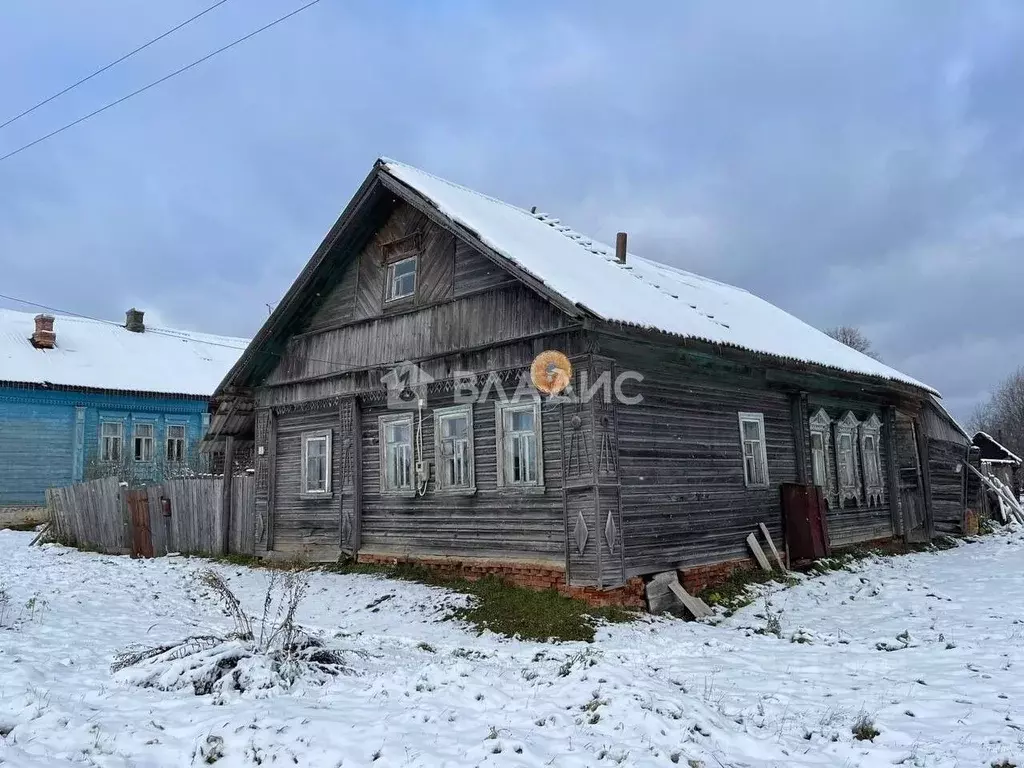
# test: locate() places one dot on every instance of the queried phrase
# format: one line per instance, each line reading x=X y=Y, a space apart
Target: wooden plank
x=271 y=477
x=694 y=605
x=357 y=476
x=771 y=544
x=759 y=555
x=226 y=490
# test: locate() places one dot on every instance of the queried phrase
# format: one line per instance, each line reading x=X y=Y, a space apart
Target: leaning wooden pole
x=225 y=498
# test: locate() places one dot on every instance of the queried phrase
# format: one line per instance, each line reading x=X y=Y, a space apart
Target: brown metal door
x=138 y=515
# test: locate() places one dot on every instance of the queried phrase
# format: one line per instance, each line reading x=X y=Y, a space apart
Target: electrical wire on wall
x=421 y=482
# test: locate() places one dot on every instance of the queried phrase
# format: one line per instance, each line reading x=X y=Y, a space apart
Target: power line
x=161 y=80
x=154 y=331
x=101 y=70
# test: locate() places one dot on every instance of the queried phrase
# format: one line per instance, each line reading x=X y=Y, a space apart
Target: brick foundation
x=535 y=575
x=701 y=577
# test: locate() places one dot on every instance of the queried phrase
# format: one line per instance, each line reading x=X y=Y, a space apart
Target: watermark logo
x=407 y=385
x=551 y=372
x=550 y=375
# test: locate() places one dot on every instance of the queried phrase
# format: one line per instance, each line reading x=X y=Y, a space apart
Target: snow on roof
x=105 y=355
x=640 y=292
x=1014 y=458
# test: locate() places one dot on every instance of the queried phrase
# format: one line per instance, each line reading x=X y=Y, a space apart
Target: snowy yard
x=929 y=648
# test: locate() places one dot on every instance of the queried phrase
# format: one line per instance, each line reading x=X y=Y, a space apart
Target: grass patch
x=864 y=729
x=734 y=592
x=505 y=608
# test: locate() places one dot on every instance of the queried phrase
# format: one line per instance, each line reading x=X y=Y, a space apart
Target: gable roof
x=94 y=354
x=577 y=273
x=641 y=292
x=993 y=450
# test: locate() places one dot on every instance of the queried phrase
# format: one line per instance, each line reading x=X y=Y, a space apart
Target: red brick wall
x=523 y=574
x=703 y=576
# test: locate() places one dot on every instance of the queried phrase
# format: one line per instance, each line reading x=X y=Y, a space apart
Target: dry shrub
x=261 y=655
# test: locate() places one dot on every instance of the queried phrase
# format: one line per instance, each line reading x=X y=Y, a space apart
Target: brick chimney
x=43 y=336
x=620 y=247
x=133 y=320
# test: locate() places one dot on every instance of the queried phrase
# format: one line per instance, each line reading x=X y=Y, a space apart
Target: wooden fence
x=183 y=514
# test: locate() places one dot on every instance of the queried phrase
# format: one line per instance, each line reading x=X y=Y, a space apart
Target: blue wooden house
x=81 y=398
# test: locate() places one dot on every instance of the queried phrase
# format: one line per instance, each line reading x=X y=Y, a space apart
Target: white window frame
x=874 y=488
x=386 y=488
x=151 y=440
x=759 y=454
x=390 y=279
x=183 y=440
x=821 y=425
x=316 y=436
x=441 y=459
x=848 y=427
x=503 y=437
x=119 y=437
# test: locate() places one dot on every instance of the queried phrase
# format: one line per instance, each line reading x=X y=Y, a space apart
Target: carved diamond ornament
x=580 y=533
x=611 y=533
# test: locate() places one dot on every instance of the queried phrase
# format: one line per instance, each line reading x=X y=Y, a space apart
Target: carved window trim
x=754 y=451
x=446 y=451
x=821 y=425
x=871 y=460
x=848 y=484
x=318 y=436
x=505 y=439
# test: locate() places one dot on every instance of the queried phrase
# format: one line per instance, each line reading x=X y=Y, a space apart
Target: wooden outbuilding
x=395 y=416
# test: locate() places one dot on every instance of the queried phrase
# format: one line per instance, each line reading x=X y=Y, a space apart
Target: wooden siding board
x=493 y=520
x=302 y=523
x=482 y=319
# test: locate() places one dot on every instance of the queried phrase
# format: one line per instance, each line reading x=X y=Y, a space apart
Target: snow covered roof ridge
x=1003 y=448
x=100 y=354
x=642 y=292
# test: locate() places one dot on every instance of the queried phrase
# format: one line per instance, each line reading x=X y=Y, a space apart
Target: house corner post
x=892 y=472
x=78 y=448
x=798 y=412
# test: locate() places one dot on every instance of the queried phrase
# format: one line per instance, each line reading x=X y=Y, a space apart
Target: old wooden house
x=387 y=398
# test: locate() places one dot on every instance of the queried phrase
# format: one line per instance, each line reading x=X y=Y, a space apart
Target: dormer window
x=401 y=279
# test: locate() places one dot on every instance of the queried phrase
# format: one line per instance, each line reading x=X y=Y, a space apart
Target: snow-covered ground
x=929 y=647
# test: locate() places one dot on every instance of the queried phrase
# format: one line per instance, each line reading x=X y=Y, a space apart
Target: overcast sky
x=855 y=163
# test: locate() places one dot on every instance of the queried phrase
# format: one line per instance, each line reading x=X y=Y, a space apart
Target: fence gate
x=138 y=516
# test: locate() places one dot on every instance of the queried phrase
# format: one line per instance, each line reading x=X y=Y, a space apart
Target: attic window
x=401 y=279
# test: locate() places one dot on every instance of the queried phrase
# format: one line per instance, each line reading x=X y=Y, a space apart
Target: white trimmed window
x=453 y=448
x=175 y=443
x=847 y=463
x=401 y=279
x=144 y=441
x=316 y=462
x=520 y=462
x=755 y=456
x=396 y=454
x=111 y=437
x=870 y=451
x=821 y=430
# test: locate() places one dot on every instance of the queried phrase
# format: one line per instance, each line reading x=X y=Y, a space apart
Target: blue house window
x=144 y=442
x=175 y=443
x=111 y=436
